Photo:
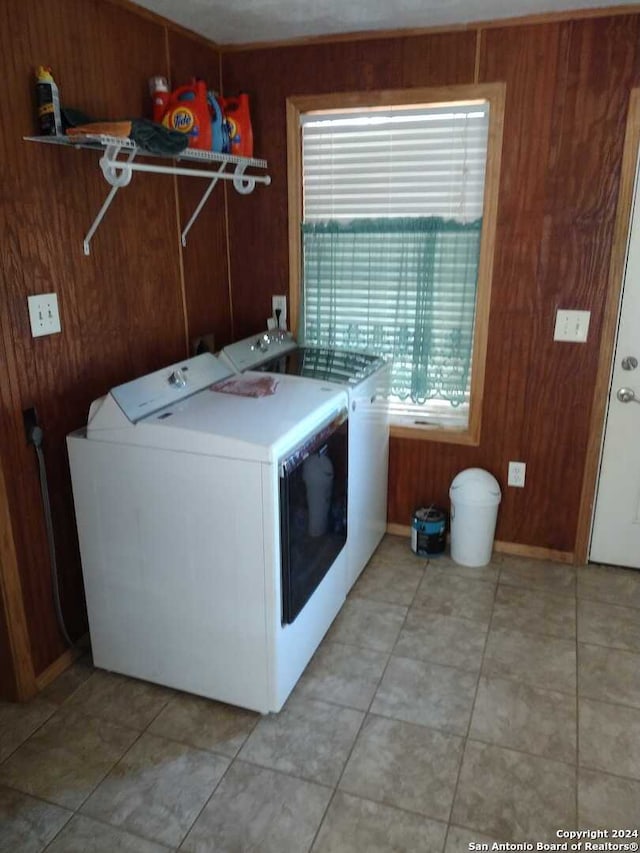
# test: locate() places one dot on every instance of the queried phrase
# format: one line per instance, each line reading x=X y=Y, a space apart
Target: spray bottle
x=159 y=91
x=48 y=101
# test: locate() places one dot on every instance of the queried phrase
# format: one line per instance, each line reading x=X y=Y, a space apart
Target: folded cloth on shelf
x=99 y=128
x=157 y=138
x=147 y=134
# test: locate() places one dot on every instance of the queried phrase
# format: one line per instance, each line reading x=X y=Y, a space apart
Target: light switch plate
x=43 y=314
x=572 y=326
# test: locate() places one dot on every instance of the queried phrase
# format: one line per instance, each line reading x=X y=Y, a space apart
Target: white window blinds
x=427 y=161
x=392 y=207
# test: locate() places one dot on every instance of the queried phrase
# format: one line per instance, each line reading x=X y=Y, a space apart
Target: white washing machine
x=202 y=568
x=366 y=379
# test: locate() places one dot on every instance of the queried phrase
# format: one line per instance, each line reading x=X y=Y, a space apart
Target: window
x=392 y=202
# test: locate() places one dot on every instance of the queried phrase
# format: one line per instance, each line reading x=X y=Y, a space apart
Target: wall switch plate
x=280 y=303
x=517 y=474
x=43 y=314
x=572 y=326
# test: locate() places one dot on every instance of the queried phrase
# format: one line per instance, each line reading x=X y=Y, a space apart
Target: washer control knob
x=263 y=342
x=177 y=379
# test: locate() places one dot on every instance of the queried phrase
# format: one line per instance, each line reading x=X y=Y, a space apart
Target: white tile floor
x=445 y=706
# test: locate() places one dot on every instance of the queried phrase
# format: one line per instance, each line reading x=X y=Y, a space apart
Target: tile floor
x=446 y=705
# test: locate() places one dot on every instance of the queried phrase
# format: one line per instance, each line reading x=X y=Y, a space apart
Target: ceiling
x=250 y=21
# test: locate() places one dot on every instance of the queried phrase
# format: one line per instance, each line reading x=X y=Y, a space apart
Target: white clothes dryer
x=366 y=379
x=201 y=571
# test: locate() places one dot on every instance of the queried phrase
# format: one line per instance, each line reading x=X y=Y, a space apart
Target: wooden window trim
x=495 y=94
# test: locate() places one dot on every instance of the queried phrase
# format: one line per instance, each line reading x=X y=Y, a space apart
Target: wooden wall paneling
x=121 y=307
x=439 y=59
x=377 y=63
x=546 y=252
x=17 y=677
x=505 y=408
x=526 y=60
x=258 y=223
x=8 y=689
x=590 y=115
x=208 y=303
x=205 y=255
x=20 y=387
x=582 y=188
x=417 y=479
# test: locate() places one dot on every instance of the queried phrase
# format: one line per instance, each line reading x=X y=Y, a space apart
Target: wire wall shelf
x=121 y=158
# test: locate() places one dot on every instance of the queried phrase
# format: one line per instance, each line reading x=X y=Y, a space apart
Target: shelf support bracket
x=116 y=180
x=202 y=203
x=118 y=172
x=242 y=183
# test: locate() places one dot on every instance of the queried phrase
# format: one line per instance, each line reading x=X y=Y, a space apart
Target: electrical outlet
x=517 y=474
x=203 y=343
x=280 y=303
x=43 y=314
x=572 y=326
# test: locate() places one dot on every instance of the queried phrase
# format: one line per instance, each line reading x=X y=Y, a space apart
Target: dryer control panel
x=150 y=393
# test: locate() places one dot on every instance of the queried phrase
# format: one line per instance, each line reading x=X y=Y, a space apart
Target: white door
x=615 y=536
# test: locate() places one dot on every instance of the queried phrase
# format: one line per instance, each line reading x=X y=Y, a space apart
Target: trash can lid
x=475 y=486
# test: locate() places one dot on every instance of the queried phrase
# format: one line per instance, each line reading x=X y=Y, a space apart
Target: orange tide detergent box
x=188 y=112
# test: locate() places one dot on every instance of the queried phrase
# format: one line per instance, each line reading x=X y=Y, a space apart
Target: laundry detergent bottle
x=236 y=112
x=188 y=111
x=219 y=127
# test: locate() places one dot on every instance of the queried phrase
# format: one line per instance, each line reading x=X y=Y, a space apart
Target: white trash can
x=475 y=495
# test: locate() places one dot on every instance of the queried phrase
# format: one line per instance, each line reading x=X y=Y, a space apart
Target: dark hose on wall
x=36 y=437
